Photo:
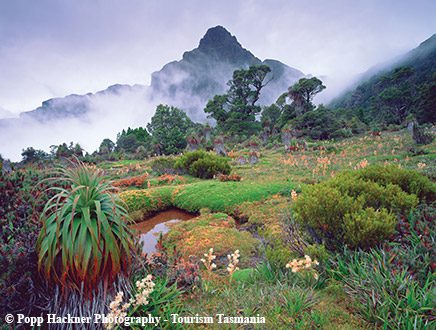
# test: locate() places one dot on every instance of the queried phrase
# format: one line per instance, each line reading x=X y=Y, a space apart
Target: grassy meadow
x=335 y=235
x=252 y=216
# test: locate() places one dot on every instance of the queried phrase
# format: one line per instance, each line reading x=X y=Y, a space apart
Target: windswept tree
x=395 y=103
x=303 y=92
x=426 y=103
x=270 y=121
x=295 y=102
x=235 y=112
x=106 y=146
x=78 y=150
x=218 y=108
x=319 y=124
x=169 y=127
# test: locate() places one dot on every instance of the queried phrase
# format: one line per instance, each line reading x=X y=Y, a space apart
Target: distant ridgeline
x=389 y=96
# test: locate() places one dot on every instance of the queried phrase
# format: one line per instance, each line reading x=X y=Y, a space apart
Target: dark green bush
x=320 y=124
x=203 y=165
x=321 y=209
x=410 y=181
x=206 y=168
x=188 y=158
x=358 y=208
x=366 y=228
x=21 y=290
x=373 y=194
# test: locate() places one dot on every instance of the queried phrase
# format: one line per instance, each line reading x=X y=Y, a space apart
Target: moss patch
x=224 y=196
x=148 y=201
x=217 y=231
x=268 y=216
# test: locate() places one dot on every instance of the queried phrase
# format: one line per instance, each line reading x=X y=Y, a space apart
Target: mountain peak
x=218 y=43
x=218 y=37
x=204 y=72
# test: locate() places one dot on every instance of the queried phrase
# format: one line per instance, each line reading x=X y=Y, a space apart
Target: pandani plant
x=85 y=238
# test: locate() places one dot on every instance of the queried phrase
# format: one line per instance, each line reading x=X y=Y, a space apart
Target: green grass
x=214 y=195
x=283 y=302
x=120 y=163
x=143 y=202
x=223 y=196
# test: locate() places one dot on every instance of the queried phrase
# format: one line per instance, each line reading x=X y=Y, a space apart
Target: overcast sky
x=54 y=48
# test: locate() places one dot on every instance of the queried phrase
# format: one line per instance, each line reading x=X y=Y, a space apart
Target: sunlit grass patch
x=223 y=196
x=148 y=201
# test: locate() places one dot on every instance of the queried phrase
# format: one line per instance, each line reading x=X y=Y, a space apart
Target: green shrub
x=321 y=209
x=358 y=208
x=184 y=162
x=203 y=165
x=409 y=181
x=365 y=228
x=207 y=168
x=374 y=195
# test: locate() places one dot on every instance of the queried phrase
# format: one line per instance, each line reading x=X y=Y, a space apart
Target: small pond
x=149 y=229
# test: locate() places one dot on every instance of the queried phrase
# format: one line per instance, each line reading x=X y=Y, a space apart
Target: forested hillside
x=406 y=88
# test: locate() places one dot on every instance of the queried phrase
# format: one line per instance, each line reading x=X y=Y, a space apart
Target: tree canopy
x=235 y=112
x=106 y=146
x=169 y=127
x=132 y=139
x=392 y=95
x=303 y=91
x=64 y=150
x=32 y=155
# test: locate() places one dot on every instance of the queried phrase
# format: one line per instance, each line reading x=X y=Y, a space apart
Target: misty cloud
x=56 y=48
x=108 y=114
